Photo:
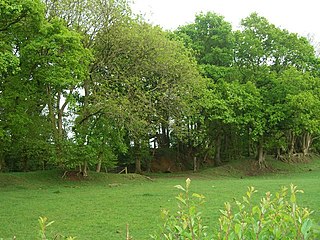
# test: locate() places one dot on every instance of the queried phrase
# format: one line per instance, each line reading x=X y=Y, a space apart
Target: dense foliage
x=87 y=84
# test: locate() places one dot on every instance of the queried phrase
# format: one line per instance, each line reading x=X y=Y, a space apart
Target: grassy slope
x=100 y=208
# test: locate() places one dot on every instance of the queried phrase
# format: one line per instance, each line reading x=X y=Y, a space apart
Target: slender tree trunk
x=60 y=110
x=261 y=154
x=51 y=113
x=98 y=167
x=85 y=122
x=278 y=153
x=138 y=165
x=59 y=115
x=138 y=155
x=306 y=142
x=292 y=140
x=165 y=140
x=56 y=111
x=85 y=169
x=217 y=157
x=53 y=120
x=248 y=144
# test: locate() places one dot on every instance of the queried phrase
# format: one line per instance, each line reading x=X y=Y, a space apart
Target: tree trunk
x=85 y=169
x=98 y=167
x=261 y=154
x=164 y=139
x=59 y=116
x=306 y=142
x=292 y=140
x=217 y=157
x=248 y=144
x=54 y=125
x=51 y=113
x=195 y=167
x=278 y=153
x=138 y=165
x=56 y=111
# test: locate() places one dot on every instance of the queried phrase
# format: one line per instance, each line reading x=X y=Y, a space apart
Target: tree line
x=89 y=84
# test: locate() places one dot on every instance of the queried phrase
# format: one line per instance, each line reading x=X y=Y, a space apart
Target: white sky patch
x=302 y=17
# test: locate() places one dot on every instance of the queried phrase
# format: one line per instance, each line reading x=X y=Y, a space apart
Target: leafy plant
x=186 y=223
x=44 y=224
x=275 y=217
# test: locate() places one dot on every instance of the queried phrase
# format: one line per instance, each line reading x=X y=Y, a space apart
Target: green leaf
x=181 y=199
x=256 y=210
x=199 y=196
x=237 y=230
x=305 y=228
x=180 y=187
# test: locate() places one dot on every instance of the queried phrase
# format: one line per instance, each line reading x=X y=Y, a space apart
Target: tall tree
x=89 y=18
x=262 y=52
x=58 y=67
x=148 y=72
x=48 y=55
x=19 y=22
x=211 y=39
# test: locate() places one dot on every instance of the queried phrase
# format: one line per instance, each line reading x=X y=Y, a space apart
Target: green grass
x=100 y=208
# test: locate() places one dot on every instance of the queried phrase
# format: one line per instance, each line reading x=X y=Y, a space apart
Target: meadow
x=101 y=206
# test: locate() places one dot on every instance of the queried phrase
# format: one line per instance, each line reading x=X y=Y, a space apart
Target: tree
x=148 y=73
x=262 y=53
x=19 y=21
x=211 y=39
x=299 y=100
x=90 y=18
x=59 y=65
x=48 y=55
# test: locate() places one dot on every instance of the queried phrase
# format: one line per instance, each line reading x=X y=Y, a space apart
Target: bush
x=275 y=217
x=187 y=222
x=44 y=224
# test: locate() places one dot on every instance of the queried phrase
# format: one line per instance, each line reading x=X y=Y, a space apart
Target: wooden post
x=125 y=170
x=127 y=231
x=195 y=164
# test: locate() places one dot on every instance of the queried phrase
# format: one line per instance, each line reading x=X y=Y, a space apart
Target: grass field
x=100 y=207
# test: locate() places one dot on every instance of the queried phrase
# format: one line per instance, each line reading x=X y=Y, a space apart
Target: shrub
x=187 y=222
x=275 y=217
x=44 y=224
